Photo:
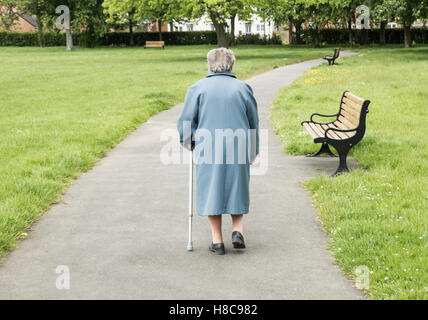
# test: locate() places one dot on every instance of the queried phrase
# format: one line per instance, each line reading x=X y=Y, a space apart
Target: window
x=189 y=27
x=248 y=28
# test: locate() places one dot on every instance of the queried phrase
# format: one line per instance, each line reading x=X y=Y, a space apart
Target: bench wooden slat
x=319 y=131
x=348 y=124
x=331 y=134
x=340 y=135
x=311 y=132
x=354 y=98
x=323 y=128
x=351 y=110
x=350 y=117
x=356 y=106
x=341 y=126
x=155 y=44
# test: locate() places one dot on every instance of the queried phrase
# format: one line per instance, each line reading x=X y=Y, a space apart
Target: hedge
x=30 y=39
x=340 y=36
x=328 y=36
x=123 y=38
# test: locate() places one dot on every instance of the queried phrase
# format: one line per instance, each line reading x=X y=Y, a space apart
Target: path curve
x=121 y=228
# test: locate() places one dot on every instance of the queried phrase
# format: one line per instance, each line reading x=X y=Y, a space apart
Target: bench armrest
x=323 y=115
x=339 y=130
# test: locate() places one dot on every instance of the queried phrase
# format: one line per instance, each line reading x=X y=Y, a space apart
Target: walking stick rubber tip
x=190 y=247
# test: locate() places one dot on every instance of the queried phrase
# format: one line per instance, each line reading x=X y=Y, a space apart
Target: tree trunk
x=171 y=26
x=219 y=29
x=351 y=40
x=160 y=29
x=69 y=39
x=424 y=32
x=131 y=34
x=317 y=36
x=41 y=33
x=382 y=36
x=407 y=36
x=365 y=36
x=232 y=30
x=290 y=30
x=298 y=36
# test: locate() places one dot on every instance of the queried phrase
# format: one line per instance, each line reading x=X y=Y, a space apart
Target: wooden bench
x=332 y=59
x=155 y=44
x=344 y=132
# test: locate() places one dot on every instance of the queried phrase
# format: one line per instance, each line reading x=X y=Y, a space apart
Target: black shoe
x=238 y=240
x=217 y=248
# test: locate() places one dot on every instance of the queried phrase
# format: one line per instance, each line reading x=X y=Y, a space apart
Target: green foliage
x=8 y=14
x=219 y=11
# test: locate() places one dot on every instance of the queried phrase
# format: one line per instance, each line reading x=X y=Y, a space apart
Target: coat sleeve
x=188 y=121
x=253 y=120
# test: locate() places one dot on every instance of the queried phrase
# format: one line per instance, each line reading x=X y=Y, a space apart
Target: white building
x=255 y=25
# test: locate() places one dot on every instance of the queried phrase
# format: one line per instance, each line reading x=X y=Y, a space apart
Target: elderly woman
x=220 y=123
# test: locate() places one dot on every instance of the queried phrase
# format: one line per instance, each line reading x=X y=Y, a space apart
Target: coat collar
x=225 y=73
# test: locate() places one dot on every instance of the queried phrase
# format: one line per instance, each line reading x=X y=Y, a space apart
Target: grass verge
x=376 y=216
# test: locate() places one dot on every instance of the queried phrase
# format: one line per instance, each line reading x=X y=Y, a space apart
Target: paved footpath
x=121 y=228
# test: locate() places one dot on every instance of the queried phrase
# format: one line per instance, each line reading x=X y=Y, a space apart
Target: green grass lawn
x=61 y=111
x=376 y=216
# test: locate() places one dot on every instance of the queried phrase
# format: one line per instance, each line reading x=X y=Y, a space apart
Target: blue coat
x=216 y=105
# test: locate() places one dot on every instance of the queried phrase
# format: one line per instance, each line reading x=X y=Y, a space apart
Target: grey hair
x=220 y=60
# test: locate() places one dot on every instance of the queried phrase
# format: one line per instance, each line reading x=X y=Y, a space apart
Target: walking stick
x=190 y=243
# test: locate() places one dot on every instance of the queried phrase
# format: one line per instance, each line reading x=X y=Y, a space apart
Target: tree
x=407 y=11
x=8 y=14
x=123 y=11
x=319 y=14
x=382 y=11
x=219 y=11
x=346 y=12
x=276 y=10
x=160 y=11
x=88 y=16
x=237 y=8
x=41 y=9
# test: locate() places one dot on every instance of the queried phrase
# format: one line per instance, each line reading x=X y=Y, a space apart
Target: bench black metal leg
x=324 y=149
x=342 y=163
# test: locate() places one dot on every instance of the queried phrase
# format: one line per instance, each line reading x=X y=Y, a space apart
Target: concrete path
x=121 y=229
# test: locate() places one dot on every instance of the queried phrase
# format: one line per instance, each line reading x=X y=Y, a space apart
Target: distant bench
x=155 y=44
x=332 y=59
x=342 y=133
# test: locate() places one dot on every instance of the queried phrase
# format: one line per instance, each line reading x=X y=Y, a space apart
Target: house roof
x=32 y=21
